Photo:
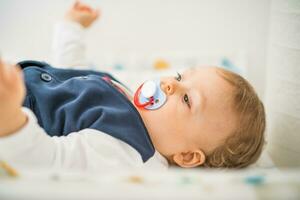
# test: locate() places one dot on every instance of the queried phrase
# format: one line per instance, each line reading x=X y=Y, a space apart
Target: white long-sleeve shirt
x=89 y=150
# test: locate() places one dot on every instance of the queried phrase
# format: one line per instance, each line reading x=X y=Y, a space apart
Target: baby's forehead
x=202 y=72
x=211 y=83
x=201 y=69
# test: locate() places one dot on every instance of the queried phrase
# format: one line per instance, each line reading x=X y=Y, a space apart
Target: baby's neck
x=143 y=115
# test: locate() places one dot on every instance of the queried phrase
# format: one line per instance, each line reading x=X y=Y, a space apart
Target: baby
x=88 y=120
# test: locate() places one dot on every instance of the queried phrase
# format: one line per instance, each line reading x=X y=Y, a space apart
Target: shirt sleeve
x=68 y=45
x=88 y=149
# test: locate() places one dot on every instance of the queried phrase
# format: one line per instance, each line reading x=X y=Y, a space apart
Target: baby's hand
x=82 y=14
x=12 y=92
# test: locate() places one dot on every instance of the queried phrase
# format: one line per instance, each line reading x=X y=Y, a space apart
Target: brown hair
x=245 y=144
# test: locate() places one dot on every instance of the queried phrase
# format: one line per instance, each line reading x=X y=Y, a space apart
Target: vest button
x=46 y=77
x=83 y=77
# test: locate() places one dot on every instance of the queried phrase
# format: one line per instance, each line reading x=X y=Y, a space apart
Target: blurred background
x=135 y=33
x=259 y=39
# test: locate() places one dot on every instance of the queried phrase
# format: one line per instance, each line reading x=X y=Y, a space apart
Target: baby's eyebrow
x=198 y=101
x=203 y=100
x=192 y=69
x=186 y=71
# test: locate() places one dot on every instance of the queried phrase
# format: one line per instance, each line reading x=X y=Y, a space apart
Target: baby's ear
x=189 y=159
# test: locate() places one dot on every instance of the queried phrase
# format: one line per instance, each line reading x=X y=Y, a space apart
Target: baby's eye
x=186 y=100
x=178 y=77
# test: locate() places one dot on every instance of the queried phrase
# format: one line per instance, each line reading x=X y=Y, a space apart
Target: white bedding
x=174 y=184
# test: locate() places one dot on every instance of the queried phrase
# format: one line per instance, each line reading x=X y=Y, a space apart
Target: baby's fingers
x=4 y=71
x=15 y=73
x=1 y=69
x=83 y=7
x=9 y=74
x=96 y=13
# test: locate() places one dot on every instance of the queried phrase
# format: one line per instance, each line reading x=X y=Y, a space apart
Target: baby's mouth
x=150 y=96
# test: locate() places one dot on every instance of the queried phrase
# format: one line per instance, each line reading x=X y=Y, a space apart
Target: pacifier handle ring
x=136 y=99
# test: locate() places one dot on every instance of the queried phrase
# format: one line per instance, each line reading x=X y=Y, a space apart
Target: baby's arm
x=88 y=149
x=12 y=92
x=68 y=42
x=30 y=146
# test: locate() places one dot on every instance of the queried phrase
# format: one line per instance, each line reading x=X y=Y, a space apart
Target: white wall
x=283 y=83
x=145 y=26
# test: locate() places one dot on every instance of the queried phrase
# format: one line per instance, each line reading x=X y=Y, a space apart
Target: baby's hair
x=245 y=144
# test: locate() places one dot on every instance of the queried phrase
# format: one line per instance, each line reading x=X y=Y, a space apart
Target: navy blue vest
x=66 y=100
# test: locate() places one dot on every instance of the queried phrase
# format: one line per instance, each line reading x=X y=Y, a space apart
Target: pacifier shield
x=148 y=89
x=151 y=92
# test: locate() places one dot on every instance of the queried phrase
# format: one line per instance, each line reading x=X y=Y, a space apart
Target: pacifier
x=150 y=95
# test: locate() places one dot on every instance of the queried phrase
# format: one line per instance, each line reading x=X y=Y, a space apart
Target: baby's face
x=197 y=114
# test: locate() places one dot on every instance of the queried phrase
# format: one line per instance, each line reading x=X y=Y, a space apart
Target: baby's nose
x=168 y=86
